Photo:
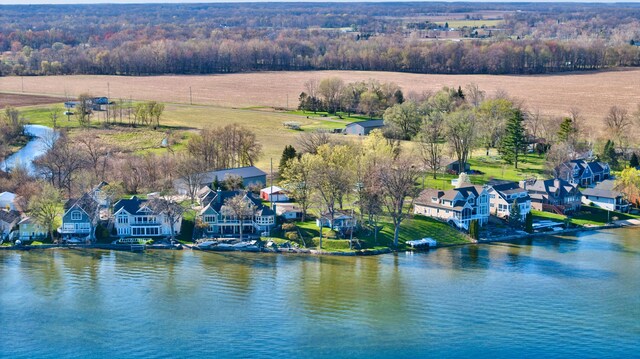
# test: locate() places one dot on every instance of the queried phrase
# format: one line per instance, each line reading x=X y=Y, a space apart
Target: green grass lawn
x=413 y=228
x=588 y=216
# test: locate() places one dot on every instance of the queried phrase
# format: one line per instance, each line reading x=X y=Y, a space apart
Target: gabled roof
x=244 y=172
x=459 y=197
x=272 y=189
x=505 y=188
x=7 y=196
x=367 y=124
x=217 y=200
x=131 y=205
x=603 y=189
x=85 y=203
x=551 y=186
x=9 y=216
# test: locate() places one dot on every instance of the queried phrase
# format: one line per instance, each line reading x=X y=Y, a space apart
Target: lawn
x=588 y=216
x=413 y=228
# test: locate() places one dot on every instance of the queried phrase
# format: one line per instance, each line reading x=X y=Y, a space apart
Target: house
x=134 y=218
x=553 y=195
x=457 y=206
x=80 y=217
x=502 y=194
x=274 y=194
x=583 y=173
x=342 y=222
x=604 y=195
x=8 y=221
x=219 y=221
x=288 y=210
x=29 y=230
x=251 y=176
x=8 y=201
x=363 y=128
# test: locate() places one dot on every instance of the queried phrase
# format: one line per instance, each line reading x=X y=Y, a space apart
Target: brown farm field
x=591 y=92
x=20 y=100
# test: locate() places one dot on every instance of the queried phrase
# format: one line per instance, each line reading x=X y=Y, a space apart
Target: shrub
x=288 y=226
x=292 y=236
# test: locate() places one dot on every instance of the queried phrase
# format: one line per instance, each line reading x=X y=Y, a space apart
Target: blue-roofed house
x=583 y=173
x=218 y=221
x=251 y=176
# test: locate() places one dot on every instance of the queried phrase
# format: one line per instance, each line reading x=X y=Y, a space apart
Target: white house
x=8 y=220
x=458 y=206
x=133 y=218
x=289 y=210
x=274 y=194
x=8 y=201
x=604 y=196
x=502 y=194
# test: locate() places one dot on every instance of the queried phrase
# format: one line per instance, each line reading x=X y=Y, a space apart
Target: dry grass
x=593 y=93
x=20 y=100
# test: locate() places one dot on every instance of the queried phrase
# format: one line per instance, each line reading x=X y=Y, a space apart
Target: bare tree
x=432 y=139
x=96 y=154
x=619 y=125
x=331 y=89
x=191 y=171
x=558 y=154
x=84 y=111
x=171 y=210
x=474 y=95
x=461 y=134
x=397 y=184
x=239 y=207
x=309 y=142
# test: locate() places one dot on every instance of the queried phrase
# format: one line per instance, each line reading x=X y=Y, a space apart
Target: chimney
x=523 y=184
x=556 y=183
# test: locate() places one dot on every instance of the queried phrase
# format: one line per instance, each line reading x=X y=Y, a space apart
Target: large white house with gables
x=133 y=218
x=502 y=195
x=458 y=206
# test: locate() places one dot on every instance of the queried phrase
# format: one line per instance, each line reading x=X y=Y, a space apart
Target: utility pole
x=22 y=81
x=287 y=102
x=108 y=91
x=190 y=96
x=271 y=192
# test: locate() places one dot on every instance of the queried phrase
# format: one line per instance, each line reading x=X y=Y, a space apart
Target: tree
x=239 y=207
x=45 y=208
x=191 y=171
x=171 y=210
x=634 y=162
x=331 y=89
x=618 y=124
x=493 y=116
x=528 y=223
x=233 y=182
x=84 y=110
x=461 y=134
x=567 y=130
x=557 y=155
x=628 y=182
x=609 y=154
x=514 y=214
x=155 y=110
x=474 y=229
x=432 y=136
x=403 y=120
x=297 y=181
x=310 y=141
x=287 y=154
x=514 y=141
x=397 y=184
x=332 y=176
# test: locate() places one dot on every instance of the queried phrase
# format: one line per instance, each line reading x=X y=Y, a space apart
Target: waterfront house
x=553 y=195
x=363 y=128
x=583 y=173
x=502 y=194
x=29 y=230
x=80 y=217
x=604 y=195
x=274 y=194
x=219 y=221
x=342 y=222
x=251 y=176
x=457 y=206
x=8 y=221
x=134 y=218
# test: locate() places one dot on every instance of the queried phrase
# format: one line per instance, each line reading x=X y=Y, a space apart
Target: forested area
x=224 y=38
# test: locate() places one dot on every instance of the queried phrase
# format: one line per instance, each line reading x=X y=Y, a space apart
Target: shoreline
x=314 y=252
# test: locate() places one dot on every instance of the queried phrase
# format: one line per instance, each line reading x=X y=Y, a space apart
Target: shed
x=274 y=194
x=363 y=128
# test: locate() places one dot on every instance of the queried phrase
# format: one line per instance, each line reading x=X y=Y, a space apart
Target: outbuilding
x=274 y=194
x=363 y=128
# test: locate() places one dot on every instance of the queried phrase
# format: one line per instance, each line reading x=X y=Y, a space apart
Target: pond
x=551 y=297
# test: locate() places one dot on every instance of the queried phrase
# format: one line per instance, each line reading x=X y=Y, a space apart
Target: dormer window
x=76 y=216
x=434 y=199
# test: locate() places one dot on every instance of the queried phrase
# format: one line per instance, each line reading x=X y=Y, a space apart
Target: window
x=76 y=216
x=209 y=218
x=123 y=218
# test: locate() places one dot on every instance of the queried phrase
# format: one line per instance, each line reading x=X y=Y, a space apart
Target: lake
x=550 y=297
x=34 y=148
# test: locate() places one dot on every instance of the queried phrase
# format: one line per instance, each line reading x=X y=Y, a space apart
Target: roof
x=9 y=216
x=550 y=186
x=217 y=199
x=244 y=172
x=7 y=196
x=603 y=189
x=131 y=205
x=506 y=188
x=368 y=124
x=425 y=197
x=272 y=189
x=86 y=203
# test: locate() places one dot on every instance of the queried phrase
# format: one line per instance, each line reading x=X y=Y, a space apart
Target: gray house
x=605 y=196
x=80 y=217
x=363 y=128
x=251 y=176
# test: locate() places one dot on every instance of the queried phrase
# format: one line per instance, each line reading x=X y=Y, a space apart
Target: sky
x=27 y=2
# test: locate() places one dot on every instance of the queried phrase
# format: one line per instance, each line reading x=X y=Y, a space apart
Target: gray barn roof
x=368 y=124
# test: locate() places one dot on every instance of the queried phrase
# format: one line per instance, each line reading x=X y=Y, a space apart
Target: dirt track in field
x=19 y=100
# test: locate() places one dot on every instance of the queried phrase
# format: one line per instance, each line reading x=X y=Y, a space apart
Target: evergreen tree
x=474 y=231
x=215 y=185
x=634 y=161
x=287 y=154
x=566 y=130
x=513 y=142
x=528 y=223
x=460 y=93
x=609 y=154
x=514 y=215
x=399 y=96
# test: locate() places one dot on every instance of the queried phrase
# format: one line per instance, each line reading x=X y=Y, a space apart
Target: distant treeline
x=224 y=38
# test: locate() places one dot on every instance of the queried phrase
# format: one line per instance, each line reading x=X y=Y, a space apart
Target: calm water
x=555 y=297
x=34 y=148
